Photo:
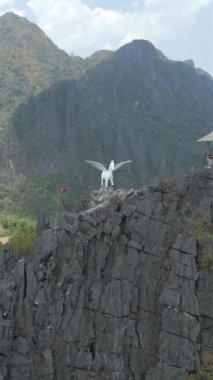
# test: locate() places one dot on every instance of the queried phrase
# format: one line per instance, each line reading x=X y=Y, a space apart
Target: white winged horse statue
x=107 y=175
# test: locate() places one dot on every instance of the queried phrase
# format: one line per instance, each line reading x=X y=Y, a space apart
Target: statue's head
x=112 y=165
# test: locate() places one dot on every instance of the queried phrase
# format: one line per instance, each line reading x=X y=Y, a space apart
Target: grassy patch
x=204 y=235
x=204 y=373
x=11 y=222
x=22 y=239
x=19 y=231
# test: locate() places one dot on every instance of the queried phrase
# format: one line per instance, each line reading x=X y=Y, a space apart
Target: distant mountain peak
x=13 y=19
x=141 y=49
x=9 y=15
x=20 y=28
x=30 y=62
x=141 y=44
x=190 y=62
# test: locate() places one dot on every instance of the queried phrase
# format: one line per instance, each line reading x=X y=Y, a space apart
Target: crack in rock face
x=113 y=290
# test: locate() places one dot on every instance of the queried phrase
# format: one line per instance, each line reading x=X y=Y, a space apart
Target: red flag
x=63 y=189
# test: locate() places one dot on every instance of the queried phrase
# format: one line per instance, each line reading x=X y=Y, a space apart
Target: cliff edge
x=120 y=290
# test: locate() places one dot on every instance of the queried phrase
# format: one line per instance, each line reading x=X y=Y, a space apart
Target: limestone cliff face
x=115 y=291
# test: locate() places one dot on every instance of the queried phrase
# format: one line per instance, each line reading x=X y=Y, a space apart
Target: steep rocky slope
x=118 y=290
x=30 y=62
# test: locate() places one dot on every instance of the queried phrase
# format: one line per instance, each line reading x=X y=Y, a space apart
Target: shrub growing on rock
x=21 y=240
x=204 y=236
x=204 y=373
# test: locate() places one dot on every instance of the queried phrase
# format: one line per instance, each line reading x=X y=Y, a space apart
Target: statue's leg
x=111 y=179
x=106 y=182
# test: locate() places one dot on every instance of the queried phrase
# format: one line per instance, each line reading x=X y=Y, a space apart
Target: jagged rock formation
x=200 y=71
x=115 y=291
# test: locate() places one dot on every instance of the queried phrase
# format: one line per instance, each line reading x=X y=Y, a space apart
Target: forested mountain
x=135 y=105
x=132 y=104
x=30 y=62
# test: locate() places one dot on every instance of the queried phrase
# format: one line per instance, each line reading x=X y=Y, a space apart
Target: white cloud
x=80 y=29
x=172 y=18
x=4 y=3
x=77 y=28
x=18 y=7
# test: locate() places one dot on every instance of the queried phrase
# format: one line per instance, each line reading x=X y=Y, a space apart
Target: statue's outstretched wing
x=118 y=166
x=97 y=165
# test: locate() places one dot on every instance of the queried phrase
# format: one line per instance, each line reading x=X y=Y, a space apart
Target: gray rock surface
x=114 y=292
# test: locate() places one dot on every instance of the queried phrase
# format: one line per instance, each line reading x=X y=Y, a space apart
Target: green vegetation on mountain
x=11 y=222
x=135 y=105
x=30 y=63
x=204 y=235
x=13 y=229
x=131 y=104
x=203 y=373
x=22 y=239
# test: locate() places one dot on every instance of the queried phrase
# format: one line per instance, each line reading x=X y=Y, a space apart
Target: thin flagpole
x=57 y=208
x=60 y=190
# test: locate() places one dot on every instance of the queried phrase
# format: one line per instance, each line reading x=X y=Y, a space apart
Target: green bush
x=12 y=222
x=201 y=228
x=30 y=196
x=21 y=240
x=204 y=235
x=204 y=373
x=207 y=259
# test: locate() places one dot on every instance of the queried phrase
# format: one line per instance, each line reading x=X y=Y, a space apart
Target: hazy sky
x=182 y=29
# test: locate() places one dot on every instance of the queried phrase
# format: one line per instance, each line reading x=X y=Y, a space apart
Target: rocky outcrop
x=115 y=291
